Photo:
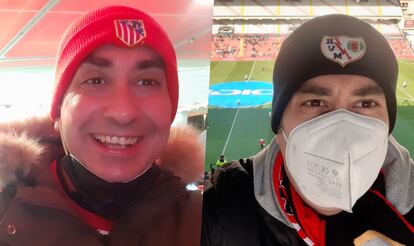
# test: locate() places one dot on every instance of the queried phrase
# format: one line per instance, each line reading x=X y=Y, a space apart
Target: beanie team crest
x=131 y=32
x=343 y=49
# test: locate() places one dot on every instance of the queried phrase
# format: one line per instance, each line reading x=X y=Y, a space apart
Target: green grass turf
x=236 y=70
x=404 y=127
x=251 y=125
x=254 y=123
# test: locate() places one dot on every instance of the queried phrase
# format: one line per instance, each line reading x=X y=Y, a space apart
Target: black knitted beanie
x=333 y=44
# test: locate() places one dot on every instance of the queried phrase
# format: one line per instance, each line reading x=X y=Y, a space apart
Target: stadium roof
x=32 y=29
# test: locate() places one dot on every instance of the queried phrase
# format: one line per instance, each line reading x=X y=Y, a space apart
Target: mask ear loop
x=280 y=130
x=286 y=138
x=284 y=135
x=58 y=127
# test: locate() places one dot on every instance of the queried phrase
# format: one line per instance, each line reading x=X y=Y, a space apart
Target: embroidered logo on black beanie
x=343 y=49
x=333 y=44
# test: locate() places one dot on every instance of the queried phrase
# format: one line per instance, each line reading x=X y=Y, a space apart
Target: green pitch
x=253 y=124
x=237 y=70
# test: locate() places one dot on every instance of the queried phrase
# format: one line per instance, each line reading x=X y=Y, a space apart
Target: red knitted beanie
x=116 y=25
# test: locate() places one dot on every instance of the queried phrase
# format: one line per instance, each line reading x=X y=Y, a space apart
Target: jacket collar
x=398 y=170
x=263 y=164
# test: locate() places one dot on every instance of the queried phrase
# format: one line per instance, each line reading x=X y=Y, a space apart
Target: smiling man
x=105 y=181
x=116 y=114
x=333 y=174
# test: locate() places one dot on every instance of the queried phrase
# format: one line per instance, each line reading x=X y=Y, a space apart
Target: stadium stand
x=401 y=47
x=255 y=29
x=246 y=46
x=289 y=8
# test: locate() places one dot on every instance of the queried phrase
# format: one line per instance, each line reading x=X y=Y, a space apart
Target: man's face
x=115 y=116
x=327 y=93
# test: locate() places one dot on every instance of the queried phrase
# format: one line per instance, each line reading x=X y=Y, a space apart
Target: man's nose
x=342 y=102
x=122 y=106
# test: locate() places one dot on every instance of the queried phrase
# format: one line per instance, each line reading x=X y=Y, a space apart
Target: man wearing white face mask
x=333 y=175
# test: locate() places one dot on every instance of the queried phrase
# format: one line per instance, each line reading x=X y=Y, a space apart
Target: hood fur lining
x=34 y=141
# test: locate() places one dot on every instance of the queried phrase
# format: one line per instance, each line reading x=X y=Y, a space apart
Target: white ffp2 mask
x=336 y=157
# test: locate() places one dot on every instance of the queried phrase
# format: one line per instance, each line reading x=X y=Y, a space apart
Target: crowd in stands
x=401 y=47
x=245 y=46
x=265 y=46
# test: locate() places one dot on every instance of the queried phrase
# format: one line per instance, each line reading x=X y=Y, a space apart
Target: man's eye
x=366 y=104
x=94 y=81
x=314 y=103
x=147 y=82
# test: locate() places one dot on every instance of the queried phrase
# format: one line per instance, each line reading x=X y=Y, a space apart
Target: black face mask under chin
x=96 y=195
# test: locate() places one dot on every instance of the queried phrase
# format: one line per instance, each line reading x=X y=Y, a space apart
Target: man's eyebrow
x=314 y=89
x=145 y=64
x=98 y=61
x=369 y=90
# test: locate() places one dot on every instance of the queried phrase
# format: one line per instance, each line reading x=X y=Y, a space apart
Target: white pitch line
x=251 y=71
x=406 y=98
x=403 y=91
x=237 y=112
x=231 y=130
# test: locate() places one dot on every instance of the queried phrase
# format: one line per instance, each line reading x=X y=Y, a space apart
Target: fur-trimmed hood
x=35 y=142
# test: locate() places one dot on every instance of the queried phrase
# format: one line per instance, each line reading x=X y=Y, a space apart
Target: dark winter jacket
x=34 y=209
x=240 y=207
